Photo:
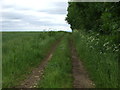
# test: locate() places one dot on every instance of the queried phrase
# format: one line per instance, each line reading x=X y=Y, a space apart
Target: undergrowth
x=100 y=57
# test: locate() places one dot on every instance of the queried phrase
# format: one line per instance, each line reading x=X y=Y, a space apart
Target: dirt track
x=80 y=76
x=36 y=75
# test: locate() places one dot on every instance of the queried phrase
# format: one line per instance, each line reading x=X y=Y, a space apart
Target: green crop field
x=21 y=51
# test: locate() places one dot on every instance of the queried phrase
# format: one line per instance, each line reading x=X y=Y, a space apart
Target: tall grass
x=100 y=58
x=23 y=51
x=58 y=71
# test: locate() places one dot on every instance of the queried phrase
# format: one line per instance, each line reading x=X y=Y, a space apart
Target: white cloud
x=34 y=14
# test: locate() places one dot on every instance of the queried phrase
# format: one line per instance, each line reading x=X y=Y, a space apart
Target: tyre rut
x=80 y=75
x=36 y=75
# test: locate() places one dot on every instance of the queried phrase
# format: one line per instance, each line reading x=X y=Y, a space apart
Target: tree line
x=100 y=17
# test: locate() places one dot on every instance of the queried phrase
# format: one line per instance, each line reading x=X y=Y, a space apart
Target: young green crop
x=22 y=51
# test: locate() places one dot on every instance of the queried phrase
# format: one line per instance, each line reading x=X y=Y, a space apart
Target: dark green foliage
x=100 y=17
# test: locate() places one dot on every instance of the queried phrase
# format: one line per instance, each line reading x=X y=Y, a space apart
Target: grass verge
x=102 y=66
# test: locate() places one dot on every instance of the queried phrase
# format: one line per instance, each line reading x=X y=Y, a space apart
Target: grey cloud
x=15 y=7
x=12 y=15
x=25 y=18
x=60 y=4
x=59 y=8
x=8 y=25
x=54 y=11
x=7 y=6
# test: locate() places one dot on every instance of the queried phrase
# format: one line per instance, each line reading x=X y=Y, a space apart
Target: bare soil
x=36 y=75
x=80 y=75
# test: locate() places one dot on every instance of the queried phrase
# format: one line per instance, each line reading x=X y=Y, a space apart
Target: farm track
x=80 y=76
x=36 y=75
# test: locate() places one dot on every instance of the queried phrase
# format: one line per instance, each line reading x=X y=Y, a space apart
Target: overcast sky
x=34 y=15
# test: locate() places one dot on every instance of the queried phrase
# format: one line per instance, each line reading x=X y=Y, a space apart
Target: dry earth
x=80 y=75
